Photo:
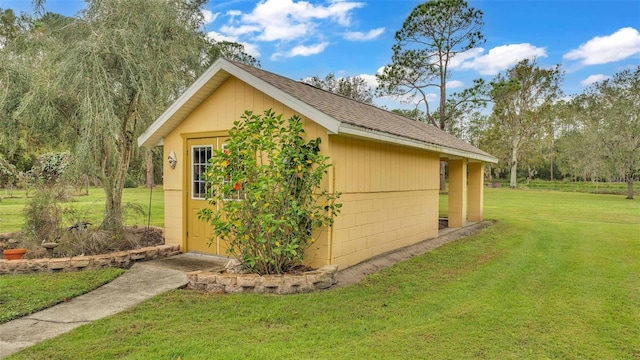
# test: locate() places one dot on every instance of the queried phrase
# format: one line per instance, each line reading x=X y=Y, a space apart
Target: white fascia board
x=182 y=100
x=348 y=129
x=331 y=124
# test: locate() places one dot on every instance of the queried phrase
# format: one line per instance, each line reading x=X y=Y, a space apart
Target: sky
x=590 y=39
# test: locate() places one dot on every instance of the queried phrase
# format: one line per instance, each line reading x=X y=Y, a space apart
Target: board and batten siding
x=216 y=115
x=389 y=197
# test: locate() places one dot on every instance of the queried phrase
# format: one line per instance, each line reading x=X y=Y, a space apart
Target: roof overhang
x=360 y=132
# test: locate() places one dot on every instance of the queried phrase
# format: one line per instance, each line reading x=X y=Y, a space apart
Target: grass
x=25 y=294
x=592 y=187
x=558 y=276
x=87 y=208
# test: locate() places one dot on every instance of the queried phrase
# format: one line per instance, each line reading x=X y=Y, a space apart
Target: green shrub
x=267 y=181
x=43 y=217
x=129 y=183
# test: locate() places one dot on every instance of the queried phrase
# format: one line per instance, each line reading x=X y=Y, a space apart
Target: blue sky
x=591 y=39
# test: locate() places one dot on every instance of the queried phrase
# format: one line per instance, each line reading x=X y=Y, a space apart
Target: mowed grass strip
x=88 y=208
x=25 y=294
x=558 y=276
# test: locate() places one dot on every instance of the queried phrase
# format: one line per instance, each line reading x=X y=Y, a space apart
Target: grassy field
x=592 y=187
x=558 y=276
x=25 y=294
x=87 y=208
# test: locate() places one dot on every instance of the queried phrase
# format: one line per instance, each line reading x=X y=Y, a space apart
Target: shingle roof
x=337 y=113
x=362 y=115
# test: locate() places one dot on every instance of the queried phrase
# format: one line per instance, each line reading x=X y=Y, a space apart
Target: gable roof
x=338 y=114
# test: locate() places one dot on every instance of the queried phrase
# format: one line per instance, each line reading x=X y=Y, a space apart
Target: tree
x=109 y=73
x=229 y=50
x=433 y=34
x=353 y=87
x=610 y=109
x=520 y=97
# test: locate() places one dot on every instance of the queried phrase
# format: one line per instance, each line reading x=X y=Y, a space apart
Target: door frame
x=186 y=179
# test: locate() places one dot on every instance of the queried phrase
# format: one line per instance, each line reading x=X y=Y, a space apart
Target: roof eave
x=153 y=135
x=357 y=131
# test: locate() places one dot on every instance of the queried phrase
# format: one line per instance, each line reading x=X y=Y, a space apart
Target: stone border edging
x=308 y=281
x=121 y=259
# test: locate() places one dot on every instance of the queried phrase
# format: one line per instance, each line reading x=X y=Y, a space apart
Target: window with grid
x=199 y=161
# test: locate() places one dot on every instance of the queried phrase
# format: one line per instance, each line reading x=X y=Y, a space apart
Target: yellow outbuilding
x=386 y=166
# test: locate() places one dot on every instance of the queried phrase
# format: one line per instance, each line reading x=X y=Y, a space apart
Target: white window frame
x=193 y=164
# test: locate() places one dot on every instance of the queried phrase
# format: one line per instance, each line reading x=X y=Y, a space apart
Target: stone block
x=104 y=260
x=249 y=280
x=227 y=279
x=39 y=265
x=3 y=267
x=81 y=261
x=216 y=288
x=272 y=281
x=164 y=250
x=193 y=276
x=59 y=264
x=18 y=265
x=121 y=256
x=206 y=278
x=151 y=252
x=137 y=254
x=294 y=280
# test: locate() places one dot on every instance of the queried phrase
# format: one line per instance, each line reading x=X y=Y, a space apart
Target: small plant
x=267 y=181
x=43 y=217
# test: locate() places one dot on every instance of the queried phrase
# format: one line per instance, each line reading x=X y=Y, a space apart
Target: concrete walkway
x=141 y=282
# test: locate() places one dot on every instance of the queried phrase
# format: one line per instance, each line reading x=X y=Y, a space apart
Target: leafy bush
x=49 y=168
x=8 y=174
x=43 y=217
x=267 y=181
x=130 y=183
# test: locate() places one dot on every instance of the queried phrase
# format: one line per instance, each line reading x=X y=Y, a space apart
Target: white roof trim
x=182 y=100
x=308 y=111
x=357 y=131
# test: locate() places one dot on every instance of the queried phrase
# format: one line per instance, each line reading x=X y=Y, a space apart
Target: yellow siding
x=217 y=114
x=389 y=197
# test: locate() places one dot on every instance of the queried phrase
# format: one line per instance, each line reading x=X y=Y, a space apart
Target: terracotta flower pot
x=14 y=254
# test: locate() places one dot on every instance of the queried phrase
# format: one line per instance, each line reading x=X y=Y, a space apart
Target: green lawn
x=87 y=208
x=558 y=276
x=25 y=294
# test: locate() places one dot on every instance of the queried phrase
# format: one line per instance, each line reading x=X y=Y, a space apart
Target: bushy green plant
x=266 y=181
x=43 y=217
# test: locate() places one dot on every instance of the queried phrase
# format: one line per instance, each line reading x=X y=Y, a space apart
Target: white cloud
x=293 y=23
x=251 y=49
x=454 y=84
x=209 y=16
x=301 y=50
x=371 y=80
x=361 y=36
x=286 y=20
x=497 y=59
x=605 y=49
x=593 y=79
